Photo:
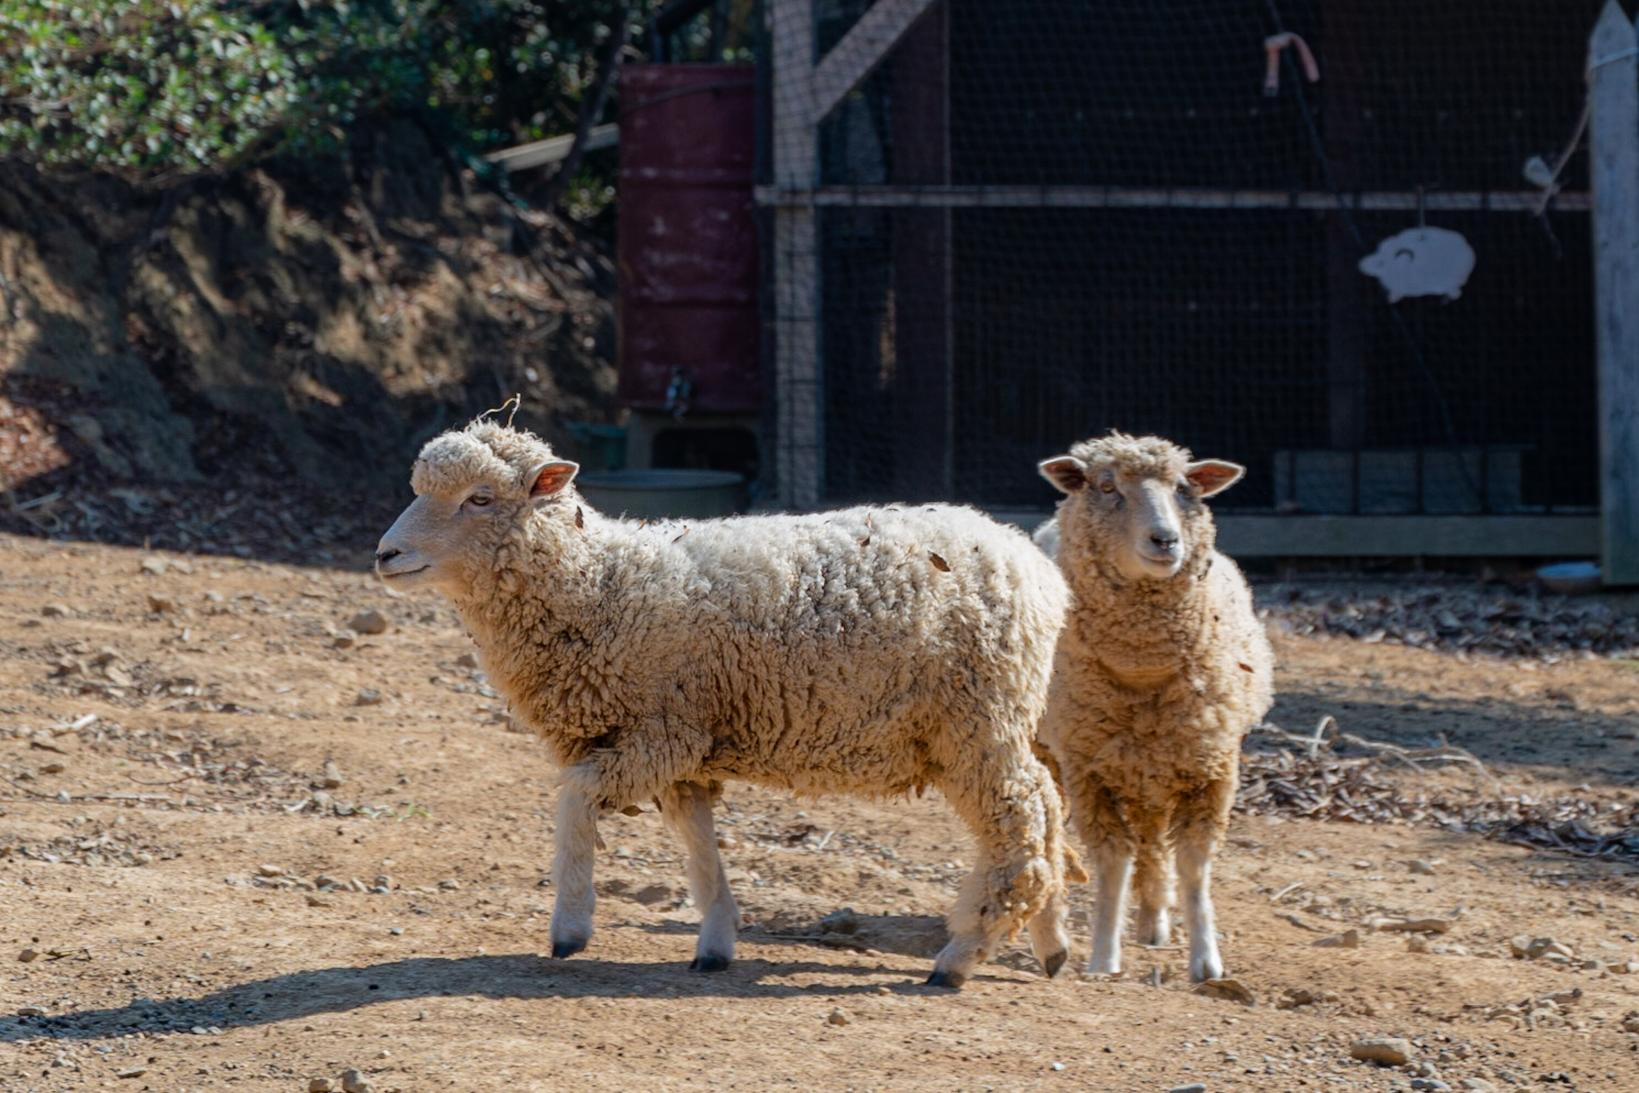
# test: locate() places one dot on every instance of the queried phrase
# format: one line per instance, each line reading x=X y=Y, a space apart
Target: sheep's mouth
x=387 y=576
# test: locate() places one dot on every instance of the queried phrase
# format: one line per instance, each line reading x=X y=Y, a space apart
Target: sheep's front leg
x=1110 y=845
x=636 y=766
x=577 y=838
x=687 y=808
x=1198 y=827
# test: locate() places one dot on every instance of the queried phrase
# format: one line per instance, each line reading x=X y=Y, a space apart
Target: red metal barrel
x=686 y=238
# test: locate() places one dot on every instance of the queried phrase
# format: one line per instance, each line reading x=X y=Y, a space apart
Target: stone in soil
x=352 y=1081
x=320 y=1085
x=1383 y=1050
x=1230 y=990
x=843 y=921
x=838 y=1016
x=368 y=622
x=368 y=697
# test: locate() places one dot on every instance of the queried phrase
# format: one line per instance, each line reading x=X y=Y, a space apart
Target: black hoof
x=564 y=949
x=1054 y=962
x=708 y=964
x=950 y=980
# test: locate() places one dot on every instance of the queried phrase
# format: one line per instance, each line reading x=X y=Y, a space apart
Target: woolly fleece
x=1155 y=682
x=868 y=651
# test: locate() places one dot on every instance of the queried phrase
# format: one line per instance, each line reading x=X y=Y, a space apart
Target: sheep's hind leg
x=1018 y=872
x=1050 y=928
x=1197 y=828
x=572 y=869
x=687 y=807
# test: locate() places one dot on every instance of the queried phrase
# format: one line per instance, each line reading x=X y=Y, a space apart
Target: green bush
x=167 y=88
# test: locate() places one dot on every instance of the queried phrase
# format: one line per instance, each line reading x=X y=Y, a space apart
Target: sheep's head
x=476 y=488
x=1133 y=504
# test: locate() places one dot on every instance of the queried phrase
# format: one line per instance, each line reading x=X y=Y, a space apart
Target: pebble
x=343 y=641
x=1230 y=990
x=843 y=921
x=1348 y=939
x=332 y=776
x=1476 y=1085
x=30 y=1011
x=133 y=1072
x=466 y=660
x=449 y=884
x=838 y=1016
x=55 y=611
x=320 y=1085
x=1421 y=867
x=160 y=605
x=368 y=622
x=1428 y=1083
x=368 y=697
x=1526 y=947
x=1058 y=1066
x=1193 y=1087
x=27 y=955
x=1386 y=1050
x=154 y=567
x=267 y=869
x=353 y=1082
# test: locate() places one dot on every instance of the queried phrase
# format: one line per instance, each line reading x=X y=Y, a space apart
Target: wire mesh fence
x=1040 y=220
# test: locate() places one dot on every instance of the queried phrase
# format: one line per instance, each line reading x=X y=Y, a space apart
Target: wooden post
x=1346 y=316
x=1613 y=143
x=800 y=407
x=924 y=387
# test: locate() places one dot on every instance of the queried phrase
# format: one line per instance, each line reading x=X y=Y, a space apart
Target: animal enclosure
x=1032 y=222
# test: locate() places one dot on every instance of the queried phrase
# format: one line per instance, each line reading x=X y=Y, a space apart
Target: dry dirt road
x=245 y=847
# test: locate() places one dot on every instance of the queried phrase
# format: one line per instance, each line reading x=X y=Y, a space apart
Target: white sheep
x=870 y=651
x=1161 y=670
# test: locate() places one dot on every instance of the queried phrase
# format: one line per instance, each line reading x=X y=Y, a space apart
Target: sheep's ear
x=1211 y=476
x=1065 y=471
x=550 y=478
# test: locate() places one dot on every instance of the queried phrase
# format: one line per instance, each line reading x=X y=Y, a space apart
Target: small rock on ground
x=352 y=1081
x=320 y=1085
x=1193 y=1087
x=1230 y=990
x=1384 y=1050
x=368 y=622
x=838 y=1016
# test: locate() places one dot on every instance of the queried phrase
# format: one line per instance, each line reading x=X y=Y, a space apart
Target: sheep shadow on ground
x=302 y=994
x=917 y=936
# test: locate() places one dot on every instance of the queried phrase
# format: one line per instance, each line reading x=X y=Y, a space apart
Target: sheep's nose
x=1164 y=539
x=387 y=555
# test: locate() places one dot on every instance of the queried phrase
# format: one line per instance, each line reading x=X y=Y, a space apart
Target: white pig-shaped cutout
x=1421 y=262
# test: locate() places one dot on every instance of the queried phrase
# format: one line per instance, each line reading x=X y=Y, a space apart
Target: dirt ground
x=244 y=846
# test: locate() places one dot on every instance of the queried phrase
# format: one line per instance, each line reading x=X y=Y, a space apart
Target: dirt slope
x=187 y=749
x=315 y=319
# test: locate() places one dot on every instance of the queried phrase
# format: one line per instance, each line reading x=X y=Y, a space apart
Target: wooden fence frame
x=806 y=87
x=1613 y=157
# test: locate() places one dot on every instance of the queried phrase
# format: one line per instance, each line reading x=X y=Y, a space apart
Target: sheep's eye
x=1107 y=486
x=479 y=500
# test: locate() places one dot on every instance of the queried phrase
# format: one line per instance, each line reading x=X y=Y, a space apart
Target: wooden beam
x=553 y=149
x=1613 y=142
x=863 y=48
x=799 y=406
x=1243 y=535
x=1137 y=197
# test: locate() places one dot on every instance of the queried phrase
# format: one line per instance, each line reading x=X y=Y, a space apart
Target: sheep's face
x=1135 y=503
x=474 y=489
